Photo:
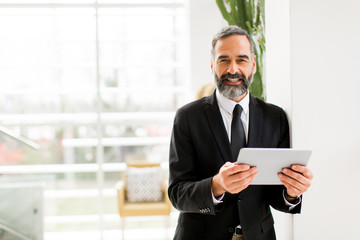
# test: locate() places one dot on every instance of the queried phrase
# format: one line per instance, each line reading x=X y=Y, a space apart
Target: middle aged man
x=212 y=193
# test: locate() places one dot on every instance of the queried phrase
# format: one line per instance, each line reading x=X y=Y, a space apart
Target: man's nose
x=233 y=68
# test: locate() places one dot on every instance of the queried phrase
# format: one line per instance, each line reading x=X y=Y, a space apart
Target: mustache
x=236 y=75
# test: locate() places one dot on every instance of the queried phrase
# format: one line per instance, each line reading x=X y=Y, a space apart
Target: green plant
x=250 y=16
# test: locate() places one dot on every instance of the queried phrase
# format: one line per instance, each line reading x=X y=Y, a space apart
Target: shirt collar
x=228 y=104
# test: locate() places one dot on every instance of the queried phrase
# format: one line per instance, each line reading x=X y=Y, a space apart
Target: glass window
x=85 y=88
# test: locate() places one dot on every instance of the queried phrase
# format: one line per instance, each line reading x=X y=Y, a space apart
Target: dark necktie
x=238 y=139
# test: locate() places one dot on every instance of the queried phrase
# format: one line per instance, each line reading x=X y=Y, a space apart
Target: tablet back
x=270 y=161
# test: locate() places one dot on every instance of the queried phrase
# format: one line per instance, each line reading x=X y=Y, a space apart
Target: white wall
x=325 y=63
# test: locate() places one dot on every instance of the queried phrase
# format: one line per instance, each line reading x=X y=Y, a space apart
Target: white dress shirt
x=227 y=106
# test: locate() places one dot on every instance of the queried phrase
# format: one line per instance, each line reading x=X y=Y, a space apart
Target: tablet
x=270 y=161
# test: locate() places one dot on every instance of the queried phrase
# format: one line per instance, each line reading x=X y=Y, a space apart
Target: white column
x=325 y=37
x=278 y=82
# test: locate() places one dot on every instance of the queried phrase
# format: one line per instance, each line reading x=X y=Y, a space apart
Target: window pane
x=157 y=153
x=139 y=66
x=56 y=60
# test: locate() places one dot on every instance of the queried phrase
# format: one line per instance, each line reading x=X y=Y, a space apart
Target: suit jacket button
x=231 y=229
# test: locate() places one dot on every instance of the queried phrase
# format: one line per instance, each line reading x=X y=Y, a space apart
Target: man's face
x=232 y=66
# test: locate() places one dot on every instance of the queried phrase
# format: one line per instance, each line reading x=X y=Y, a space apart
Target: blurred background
x=87 y=86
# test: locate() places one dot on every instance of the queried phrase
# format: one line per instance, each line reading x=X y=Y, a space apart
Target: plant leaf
x=234 y=12
x=224 y=12
x=243 y=14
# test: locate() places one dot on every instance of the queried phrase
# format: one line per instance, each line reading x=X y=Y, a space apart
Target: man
x=212 y=193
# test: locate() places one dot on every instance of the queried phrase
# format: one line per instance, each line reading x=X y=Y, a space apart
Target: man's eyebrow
x=243 y=56
x=223 y=56
x=238 y=56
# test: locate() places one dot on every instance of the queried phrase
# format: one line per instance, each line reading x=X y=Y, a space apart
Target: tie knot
x=237 y=110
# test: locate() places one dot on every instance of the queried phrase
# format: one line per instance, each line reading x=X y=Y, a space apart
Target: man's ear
x=212 y=66
x=254 y=64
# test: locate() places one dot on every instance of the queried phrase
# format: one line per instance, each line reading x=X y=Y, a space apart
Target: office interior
x=88 y=86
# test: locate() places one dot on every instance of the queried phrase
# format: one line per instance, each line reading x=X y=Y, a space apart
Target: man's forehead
x=234 y=44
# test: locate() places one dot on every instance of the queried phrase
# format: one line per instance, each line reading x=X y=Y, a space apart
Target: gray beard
x=229 y=91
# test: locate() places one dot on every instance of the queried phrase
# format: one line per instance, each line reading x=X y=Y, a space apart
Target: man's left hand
x=296 y=179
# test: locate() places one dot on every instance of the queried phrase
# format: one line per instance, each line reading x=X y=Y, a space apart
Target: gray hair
x=229 y=31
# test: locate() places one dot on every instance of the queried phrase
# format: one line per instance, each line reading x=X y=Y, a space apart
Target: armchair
x=142 y=205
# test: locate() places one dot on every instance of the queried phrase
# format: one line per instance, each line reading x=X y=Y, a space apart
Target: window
x=93 y=84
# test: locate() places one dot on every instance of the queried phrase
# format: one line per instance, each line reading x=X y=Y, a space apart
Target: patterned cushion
x=144 y=184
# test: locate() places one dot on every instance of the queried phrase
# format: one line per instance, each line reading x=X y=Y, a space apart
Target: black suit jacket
x=199 y=147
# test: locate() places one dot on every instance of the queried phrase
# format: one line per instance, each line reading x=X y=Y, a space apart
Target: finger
x=304 y=170
x=290 y=188
x=292 y=191
x=245 y=175
x=232 y=183
x=242 y=167
x=244 y=183
x=228 y=164
x=236 y=168
x=227 y=169
x=293 y=185
x=297 y=176
x=237 y=181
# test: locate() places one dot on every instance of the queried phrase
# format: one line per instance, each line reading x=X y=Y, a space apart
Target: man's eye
x=223 y=60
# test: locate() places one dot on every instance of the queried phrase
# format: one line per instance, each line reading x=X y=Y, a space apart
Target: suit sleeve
x=284 y=140
x=186 y=192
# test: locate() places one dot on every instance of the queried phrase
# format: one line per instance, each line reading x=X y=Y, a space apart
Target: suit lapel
x=255 y=123
x=217 y=127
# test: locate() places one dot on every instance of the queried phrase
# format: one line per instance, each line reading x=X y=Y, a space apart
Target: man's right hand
x=232 y=178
